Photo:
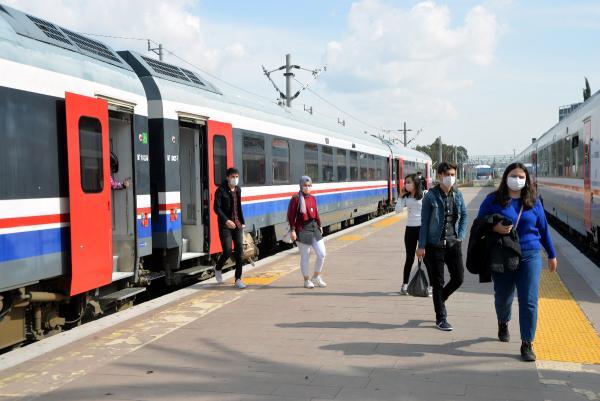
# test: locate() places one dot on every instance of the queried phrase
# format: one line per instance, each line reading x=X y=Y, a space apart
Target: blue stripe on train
x=164 y=224
x=144 y=232
x=33 y=243
x=281 y=205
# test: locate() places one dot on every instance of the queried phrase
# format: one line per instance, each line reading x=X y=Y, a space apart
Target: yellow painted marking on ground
x=564 y=332
x=350 y=238
x=388 y=222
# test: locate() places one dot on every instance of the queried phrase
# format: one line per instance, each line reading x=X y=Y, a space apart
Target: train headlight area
x=356 y=339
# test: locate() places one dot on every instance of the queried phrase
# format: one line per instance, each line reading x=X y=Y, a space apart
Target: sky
x=488 y=75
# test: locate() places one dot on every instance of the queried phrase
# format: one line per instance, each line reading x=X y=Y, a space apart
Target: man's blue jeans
x=527 y=281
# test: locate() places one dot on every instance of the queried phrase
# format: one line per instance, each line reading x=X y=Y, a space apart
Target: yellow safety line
x=388 y=222
x=351 y=238
x=564 y=332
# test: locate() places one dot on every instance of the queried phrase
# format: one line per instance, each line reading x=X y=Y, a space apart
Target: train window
x=311 y=161
x=353 y=166
x=219 y=158
x=341 y=164
x=91 y=155
x=327 y=163
x=574 y=141
x=253 y=159
x=379 y=169
x=371 y=167
x=363 y=163
x=567 y=157
x=281 y=161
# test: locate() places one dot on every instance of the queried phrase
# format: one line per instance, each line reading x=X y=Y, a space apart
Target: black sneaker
x=444 y=325
x=503 y=334
x=527 y=353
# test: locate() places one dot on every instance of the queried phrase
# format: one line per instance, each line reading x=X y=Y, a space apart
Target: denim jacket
x=432 y=216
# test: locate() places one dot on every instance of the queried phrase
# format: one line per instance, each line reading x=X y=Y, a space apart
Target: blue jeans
x=527 y=281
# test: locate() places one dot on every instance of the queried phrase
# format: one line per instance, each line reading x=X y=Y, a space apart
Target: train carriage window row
x=281 y=161
x=562 y=158
x=253 y=159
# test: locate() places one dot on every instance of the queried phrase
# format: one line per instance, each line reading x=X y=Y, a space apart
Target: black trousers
x=435 y=258
x=228 y=235
x=411 y=239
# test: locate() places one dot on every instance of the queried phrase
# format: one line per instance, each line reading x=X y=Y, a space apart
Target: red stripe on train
x=34 y=220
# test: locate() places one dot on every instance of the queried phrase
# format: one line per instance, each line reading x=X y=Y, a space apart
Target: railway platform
x=356 y=339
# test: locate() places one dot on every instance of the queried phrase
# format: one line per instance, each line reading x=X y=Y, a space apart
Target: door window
x=91 y=155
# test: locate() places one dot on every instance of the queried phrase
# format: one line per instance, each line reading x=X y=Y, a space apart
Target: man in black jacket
x=228 y=207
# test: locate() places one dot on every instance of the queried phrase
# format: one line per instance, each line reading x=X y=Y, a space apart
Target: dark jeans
x=435 y=258
x=227 y=236
x=527 y=281
x=411 y=238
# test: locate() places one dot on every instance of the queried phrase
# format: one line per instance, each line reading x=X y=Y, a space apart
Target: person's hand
x=293 y=236
x=502 y=229
x=126 y=183
x=552 y=265
x=230 y=224
x=420 y=253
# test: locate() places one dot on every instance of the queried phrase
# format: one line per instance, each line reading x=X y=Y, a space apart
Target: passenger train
x=72 y=248
x=565 y=165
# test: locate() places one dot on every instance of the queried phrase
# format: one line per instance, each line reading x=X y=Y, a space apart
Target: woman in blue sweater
x=516 y=200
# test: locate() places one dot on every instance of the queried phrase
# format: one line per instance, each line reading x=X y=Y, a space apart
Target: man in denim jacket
x=443 y=228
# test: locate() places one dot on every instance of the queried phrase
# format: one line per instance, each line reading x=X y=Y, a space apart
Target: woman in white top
x=412 y=198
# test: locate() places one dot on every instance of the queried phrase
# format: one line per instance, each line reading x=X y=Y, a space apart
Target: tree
x=587 y=92
x=447 y=152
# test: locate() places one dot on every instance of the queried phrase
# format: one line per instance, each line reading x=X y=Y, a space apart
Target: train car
x=201 y=129
x=66 y=103
x=565 y=165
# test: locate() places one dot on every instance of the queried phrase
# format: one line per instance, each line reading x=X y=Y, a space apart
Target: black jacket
x=224 y=203
x=489 y=251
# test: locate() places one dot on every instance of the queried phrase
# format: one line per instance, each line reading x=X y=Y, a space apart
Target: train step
x=123 y=294
x=192 y=271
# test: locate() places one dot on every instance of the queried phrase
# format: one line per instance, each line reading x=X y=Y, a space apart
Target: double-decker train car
x=77 y=119
x=565 y=164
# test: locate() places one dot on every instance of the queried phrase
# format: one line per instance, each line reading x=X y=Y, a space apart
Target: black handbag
x=418 y=284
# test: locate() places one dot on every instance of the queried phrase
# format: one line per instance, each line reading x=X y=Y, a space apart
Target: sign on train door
x=587 y=185
x=89 y=192
x=220 y=157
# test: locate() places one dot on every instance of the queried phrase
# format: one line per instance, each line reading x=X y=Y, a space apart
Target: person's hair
x=418 y=172
x=528 y=195
x=445 y=166
x=231 y=170
x=417 y=184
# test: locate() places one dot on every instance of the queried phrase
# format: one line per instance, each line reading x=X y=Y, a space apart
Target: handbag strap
x=518 y=218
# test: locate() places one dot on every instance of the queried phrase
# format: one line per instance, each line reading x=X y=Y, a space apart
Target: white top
x=414 y=210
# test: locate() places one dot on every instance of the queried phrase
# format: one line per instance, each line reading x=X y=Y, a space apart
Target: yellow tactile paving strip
x=564 y=333
x=389 y=221
x=351 y=238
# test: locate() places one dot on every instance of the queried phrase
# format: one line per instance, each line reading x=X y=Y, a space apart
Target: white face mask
x=515 y=183
x=448 y=181
x=234 y=181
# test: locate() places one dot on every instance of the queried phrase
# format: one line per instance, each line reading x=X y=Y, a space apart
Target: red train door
x=220 y=157
x=400 y=176
x=587 y=188
x=390 y=166
x=89 y=192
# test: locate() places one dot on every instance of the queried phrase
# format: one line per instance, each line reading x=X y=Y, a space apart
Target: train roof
x=560 y=127
x=172 y=85
x=31 y=41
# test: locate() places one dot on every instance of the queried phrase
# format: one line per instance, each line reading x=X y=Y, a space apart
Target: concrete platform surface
x=357 y=339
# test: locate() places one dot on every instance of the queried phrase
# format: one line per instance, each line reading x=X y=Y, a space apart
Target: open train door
x=587 y=185
x=89 y=192
x=220 y=157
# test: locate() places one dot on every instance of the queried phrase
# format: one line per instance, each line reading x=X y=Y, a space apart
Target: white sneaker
x=219 y=277
x=240 y=284
x=308 y=284
x=430 y=292
x=318 y=281
x=404 y=289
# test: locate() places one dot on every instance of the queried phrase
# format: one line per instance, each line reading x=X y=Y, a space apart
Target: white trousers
x=319 y=248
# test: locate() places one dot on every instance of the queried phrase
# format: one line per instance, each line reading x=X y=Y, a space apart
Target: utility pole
x=289 y=75
x=405 y=143
x=156 y=50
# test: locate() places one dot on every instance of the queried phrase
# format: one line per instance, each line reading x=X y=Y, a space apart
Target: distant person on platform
x=421 y=180
x=228 y=207
x=443 y=228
